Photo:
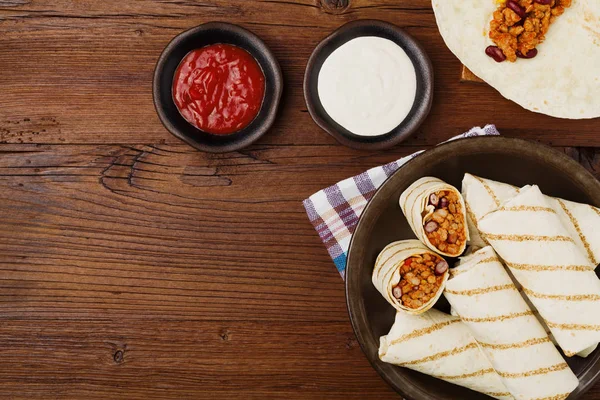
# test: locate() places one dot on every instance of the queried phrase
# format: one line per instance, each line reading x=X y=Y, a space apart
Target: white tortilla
x=555 y=274
x=386 y=272
x=562 y=81
x=414 y=204
x=581 y=220
x=584 y=353
x=440 y=345
x=517 y=345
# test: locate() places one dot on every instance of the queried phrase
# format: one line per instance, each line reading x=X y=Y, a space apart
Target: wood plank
x=155 y=271
x=132 y=266
x=83 y=73
x=163 y=230
x=114 y=358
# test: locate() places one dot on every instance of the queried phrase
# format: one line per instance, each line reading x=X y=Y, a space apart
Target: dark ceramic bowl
x=195 y=38
x=513 y=161
x=423 y=99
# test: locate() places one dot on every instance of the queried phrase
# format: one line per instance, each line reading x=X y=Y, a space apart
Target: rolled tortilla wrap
x=584 y=353
x=581 y=220
x=415 y=204
x=517 y=345
x=481 y=197
x=440 y=345
x=386 y=273
x=555 y=275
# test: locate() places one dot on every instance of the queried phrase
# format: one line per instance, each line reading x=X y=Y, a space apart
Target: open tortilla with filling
x=563 y=80
x=386 y=273
x=415 y=203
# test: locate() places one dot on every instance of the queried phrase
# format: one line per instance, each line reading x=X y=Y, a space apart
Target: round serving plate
x=513 y=161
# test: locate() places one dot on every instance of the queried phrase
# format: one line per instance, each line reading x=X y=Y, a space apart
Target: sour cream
x=368 y=85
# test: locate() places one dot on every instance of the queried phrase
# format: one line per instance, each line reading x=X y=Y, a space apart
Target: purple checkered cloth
x=334 y=211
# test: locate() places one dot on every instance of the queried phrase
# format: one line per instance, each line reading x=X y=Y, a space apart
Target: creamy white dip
x=368 y=85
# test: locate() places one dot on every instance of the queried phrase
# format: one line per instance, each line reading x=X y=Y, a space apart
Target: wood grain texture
x=131 y=265
x=467 y=76
x=55 y=54
x=155 y=271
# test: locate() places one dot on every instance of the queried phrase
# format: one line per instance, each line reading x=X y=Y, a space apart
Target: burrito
x=435 y=212
x=482 y=293
x=581 y=220
x=555 y=274
x=440 y=345
x=410 y=276
x=583 y=353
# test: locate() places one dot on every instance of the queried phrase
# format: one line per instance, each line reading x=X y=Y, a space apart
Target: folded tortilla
x=517 y=345
x=581 y=220
x=570 y=89
x=414 y=204
x=386 y=273
x=584 y=353
x=555 y=274
x=440 y=345
x=502 y=189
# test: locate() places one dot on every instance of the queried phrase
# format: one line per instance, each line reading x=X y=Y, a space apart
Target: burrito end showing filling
x=518 y=26
x=445 y=227
x=420 y=279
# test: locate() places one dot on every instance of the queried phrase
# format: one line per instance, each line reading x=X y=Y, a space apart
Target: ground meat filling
x=519 y=26
x=445 y=228
x=420 y=279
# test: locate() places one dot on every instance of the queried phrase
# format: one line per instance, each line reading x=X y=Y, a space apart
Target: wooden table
x=135 y=267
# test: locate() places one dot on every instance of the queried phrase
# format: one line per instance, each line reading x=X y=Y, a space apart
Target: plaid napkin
x=334 y=211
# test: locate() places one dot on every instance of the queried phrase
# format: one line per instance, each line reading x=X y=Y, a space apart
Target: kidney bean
x=530 y=54
x=441 y=267
x=513 y=5
x=444 y=202
x=495 y=53
x=397 y=292
x=431 y=226
x=434 y=199
x=543 y=2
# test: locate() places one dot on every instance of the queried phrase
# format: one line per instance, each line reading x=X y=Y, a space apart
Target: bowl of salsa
x=217 y=87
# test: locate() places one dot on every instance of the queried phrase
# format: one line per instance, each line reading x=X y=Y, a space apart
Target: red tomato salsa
x=219 y=88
